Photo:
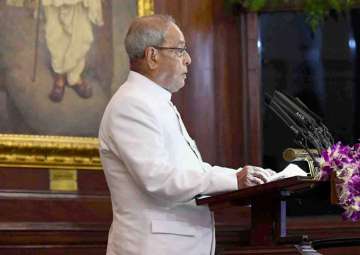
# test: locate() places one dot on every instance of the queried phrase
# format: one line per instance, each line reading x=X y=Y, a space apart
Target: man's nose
x=187 y=58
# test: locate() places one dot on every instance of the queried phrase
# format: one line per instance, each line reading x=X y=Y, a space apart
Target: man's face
x=172 y=69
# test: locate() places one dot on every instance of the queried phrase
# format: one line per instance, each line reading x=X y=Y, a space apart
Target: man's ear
x=151 y=57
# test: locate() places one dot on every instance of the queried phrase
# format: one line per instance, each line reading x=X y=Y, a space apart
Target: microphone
x=303 y=106
x=305 y=124
x=276 y=108
x=295 y=110
x=323 y=130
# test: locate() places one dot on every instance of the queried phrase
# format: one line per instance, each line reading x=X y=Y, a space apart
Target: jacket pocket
x=172 y=227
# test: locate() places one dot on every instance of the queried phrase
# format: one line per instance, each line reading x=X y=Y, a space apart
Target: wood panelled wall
x=221 y=107
x=220 y=103
x=35 y=220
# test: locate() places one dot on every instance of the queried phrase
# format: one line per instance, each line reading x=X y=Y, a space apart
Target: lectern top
x=270 y=189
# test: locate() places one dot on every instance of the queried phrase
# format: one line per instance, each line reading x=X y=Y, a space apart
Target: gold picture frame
x=145 y=7
x=56 y=152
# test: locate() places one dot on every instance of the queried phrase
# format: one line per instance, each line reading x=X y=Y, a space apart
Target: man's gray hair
x=146 y=31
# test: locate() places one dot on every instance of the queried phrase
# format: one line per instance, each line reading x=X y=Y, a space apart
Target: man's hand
x=252 y=175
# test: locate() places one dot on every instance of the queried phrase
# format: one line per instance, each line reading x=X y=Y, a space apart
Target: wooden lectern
x=268 y=208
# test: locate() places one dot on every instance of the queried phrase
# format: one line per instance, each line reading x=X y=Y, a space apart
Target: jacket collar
x=148 y=86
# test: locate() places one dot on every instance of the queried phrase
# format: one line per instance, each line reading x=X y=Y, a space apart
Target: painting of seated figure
x=60 y=62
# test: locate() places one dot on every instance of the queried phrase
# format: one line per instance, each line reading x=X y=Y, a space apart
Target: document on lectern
x=290 y=171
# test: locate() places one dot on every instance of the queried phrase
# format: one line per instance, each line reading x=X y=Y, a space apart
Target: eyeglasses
x=180 y=52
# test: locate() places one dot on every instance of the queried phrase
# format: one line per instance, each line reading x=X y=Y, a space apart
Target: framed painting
x=60 y=63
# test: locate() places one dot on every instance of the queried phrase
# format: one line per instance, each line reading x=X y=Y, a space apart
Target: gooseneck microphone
x=308 y=128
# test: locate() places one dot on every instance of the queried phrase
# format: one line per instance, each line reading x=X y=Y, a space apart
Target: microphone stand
x=305 y=124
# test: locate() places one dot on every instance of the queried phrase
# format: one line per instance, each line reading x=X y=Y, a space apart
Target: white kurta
x=69 y=34
x=153 y=176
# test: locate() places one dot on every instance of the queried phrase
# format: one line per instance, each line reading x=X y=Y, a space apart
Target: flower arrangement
x=344 y=161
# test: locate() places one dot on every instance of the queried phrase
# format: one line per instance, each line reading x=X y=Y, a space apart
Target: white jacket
x=153 y=176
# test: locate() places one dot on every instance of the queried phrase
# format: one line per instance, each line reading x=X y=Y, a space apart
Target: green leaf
x=255 y=5
x=335 y=4
x=316 y=10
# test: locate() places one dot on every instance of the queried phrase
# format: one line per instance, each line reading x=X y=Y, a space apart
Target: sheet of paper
x=289 y=171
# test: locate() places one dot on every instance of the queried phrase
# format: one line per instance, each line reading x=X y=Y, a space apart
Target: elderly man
x=152 y=166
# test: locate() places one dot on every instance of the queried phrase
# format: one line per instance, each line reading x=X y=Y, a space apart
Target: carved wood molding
x=56 y=152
